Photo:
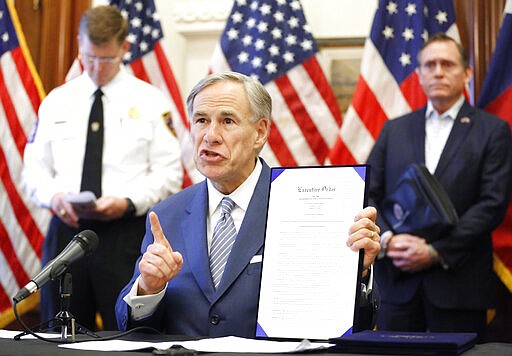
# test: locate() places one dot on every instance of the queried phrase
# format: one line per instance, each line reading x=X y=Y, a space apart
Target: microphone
x=82 y=244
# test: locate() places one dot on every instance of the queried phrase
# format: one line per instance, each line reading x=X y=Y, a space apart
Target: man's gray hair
x=259 y=98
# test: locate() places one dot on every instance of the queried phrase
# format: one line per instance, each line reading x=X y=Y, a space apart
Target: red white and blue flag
x=22 y=225
x=388 y=85
x=496 y=97
x=271 y=41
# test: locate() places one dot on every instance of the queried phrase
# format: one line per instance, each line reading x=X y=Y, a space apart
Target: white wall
x=192 y=28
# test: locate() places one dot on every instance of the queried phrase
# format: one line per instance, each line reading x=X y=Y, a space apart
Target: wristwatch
x=130 y=209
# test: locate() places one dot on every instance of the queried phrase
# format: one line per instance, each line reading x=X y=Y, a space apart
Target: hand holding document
x=81 y=201
x=310 y=277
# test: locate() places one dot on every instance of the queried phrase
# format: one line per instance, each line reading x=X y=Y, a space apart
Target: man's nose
x=212 y=134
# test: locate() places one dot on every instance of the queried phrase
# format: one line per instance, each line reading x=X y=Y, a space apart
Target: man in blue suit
x=443 y=285
x=174 y=291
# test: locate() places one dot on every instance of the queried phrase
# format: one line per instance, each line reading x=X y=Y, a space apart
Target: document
x=10 y=334
x=222 y=344
x=309 y=274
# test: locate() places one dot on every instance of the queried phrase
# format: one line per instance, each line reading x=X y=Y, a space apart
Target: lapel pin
x=465 y=120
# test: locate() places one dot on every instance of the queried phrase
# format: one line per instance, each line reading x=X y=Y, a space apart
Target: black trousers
x=421 y=315
x=98 y=278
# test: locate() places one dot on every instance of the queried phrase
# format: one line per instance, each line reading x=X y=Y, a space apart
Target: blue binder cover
x=405 y=343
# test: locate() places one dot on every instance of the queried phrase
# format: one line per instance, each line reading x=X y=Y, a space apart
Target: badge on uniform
x=133 y=113
x=167 y=116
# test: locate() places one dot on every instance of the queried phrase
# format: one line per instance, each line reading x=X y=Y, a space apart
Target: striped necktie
x=224 y=236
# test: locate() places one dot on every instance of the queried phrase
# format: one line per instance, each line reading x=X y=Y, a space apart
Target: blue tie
x=224 y=236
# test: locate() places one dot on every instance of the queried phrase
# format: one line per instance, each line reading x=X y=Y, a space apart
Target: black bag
x=419 y=205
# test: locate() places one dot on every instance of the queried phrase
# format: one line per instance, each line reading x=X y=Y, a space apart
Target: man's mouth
x=209 y=154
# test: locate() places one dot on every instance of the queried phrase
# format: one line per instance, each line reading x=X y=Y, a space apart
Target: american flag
x=271 y=41
x=496 y=97
x=147 y=60
x=22 y=225
x=388 y=85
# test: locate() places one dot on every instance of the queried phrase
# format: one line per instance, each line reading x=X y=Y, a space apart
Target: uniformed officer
x=140 y=166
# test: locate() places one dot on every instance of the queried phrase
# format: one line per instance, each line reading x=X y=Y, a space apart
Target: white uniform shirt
x=141 y=157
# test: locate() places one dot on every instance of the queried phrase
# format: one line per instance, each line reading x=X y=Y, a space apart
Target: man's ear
x=262 y=130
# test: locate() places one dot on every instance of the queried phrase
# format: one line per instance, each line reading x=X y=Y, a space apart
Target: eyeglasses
x=102 y=60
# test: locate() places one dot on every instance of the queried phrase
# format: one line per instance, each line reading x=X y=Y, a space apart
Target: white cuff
x=142 y=306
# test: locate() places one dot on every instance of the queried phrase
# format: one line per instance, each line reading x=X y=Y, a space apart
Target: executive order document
x=309 y=274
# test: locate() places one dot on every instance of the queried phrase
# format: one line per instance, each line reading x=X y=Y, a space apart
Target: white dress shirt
x=141 y=157
x=437 y=130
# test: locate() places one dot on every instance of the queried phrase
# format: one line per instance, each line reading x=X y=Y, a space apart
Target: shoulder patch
x=167 y=117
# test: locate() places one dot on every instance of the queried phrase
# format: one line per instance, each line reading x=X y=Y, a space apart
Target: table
x=36 y=347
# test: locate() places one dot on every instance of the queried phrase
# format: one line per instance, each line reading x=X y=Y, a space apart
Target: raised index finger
x=157 y=231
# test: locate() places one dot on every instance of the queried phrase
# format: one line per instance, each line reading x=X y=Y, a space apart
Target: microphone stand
x=64 y=319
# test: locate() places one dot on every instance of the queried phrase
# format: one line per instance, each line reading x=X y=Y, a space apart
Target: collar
x=241 y=195
x=107 y=88
x=450 y=113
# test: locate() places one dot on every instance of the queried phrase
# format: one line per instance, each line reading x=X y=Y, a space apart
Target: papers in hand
x=82 y=200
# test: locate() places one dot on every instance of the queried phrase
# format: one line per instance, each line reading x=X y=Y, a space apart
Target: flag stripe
x=148 y=61
x=496 y=97
x=167 y=75
x=139 y=70
x=413 y=92
x=367 y=105
x=279 y=147
x=293 y=141
x=12 y=119
x=23 y=70
x=5 y=301
x=302 y=118
x=11 y=257
x=382 y=83
x=273 y=43
x=323 y=87
x=21 y=224
x=388 y=85
x=22 y=214
x=315 y=105
x=356 y=136
x=502 y=105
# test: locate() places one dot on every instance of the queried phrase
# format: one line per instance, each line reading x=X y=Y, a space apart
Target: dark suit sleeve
x=367 y=310
x=487 y=180
x=377 y=160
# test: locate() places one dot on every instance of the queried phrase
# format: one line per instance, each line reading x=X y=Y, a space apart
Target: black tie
x=91 y=173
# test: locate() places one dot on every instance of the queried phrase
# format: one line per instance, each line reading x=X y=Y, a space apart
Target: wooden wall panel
x=479 y=22
x=50 y=27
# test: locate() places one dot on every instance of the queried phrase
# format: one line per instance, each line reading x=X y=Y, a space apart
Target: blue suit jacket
x=191 y=305
x=475 y=170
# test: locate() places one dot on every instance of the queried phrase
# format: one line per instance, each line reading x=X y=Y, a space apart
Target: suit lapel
x=251 y=235
x=194 y=228
x=418 y=135
x=460 y=130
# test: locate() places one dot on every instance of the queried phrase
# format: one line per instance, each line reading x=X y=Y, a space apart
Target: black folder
x=404 y=343
x=419 y=205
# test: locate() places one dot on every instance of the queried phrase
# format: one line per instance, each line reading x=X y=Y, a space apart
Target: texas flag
x=496 y=97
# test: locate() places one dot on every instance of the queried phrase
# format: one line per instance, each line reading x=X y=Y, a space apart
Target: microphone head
x=88 y=239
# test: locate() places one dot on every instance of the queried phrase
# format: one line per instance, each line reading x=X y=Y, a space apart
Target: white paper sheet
x=10 y=334
x=223 y=344
x=309 y=276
